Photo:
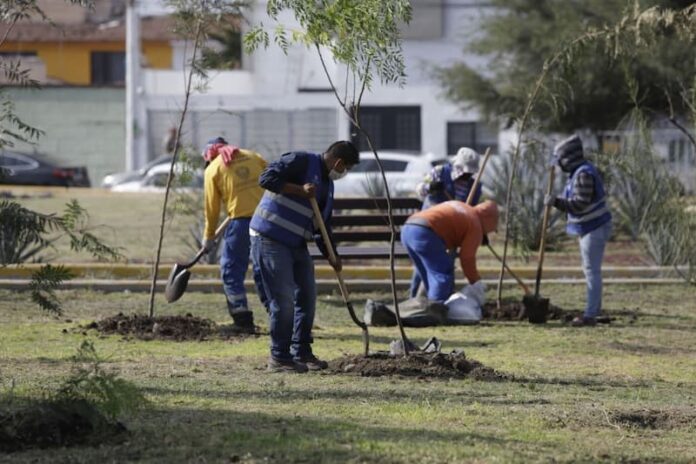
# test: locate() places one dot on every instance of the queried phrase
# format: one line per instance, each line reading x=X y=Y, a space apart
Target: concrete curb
x=98 y=271
x=323 y=285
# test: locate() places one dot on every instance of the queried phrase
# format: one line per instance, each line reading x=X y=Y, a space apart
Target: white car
x=403 y=172
x=156 y=180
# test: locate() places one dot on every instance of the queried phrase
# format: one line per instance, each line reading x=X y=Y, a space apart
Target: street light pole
x=134 y=130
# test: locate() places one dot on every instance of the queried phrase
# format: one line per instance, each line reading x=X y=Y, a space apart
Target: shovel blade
x=537 y=308
x=176 y=283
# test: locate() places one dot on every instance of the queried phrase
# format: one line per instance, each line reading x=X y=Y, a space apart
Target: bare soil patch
x=655 y=419
x=422 y=365
x=511 y=310
x=174 y=328
x=57 y=424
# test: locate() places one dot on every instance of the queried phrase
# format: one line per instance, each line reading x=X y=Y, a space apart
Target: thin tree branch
x=197 y=37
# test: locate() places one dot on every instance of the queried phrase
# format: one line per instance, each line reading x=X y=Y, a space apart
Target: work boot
x=244 y=322
x=584 y=322
x=312 y=362
x=286 y=365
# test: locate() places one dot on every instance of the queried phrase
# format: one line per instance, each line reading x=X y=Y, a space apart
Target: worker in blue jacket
x=584 y=200
x=448 y=181
x=280 y=228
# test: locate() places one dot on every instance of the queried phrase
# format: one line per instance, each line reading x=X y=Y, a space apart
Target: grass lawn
x=130 y=221
x=619 y=393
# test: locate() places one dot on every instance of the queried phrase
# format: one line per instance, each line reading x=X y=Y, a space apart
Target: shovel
x=179 y=277
x=537 y=308
x=339 y=277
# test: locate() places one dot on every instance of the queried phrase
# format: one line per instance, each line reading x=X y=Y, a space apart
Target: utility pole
x=135 y=126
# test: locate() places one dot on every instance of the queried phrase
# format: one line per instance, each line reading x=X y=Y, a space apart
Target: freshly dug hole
x=417 y=364
x=57 y=424
x=177 y=328
x=655 y=419
x=511 y=310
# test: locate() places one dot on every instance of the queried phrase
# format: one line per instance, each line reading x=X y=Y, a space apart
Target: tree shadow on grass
x=294 y=438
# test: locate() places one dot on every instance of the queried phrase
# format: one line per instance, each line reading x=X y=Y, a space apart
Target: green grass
x=130 y=221
x=213 y=402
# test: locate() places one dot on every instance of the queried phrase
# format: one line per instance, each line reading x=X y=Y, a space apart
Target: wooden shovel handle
x=544 y=225
x=332 y=260
x=202 y=251
x=472 y=192
x=507 y=268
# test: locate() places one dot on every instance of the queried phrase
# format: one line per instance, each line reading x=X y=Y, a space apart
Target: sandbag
x=464 y=307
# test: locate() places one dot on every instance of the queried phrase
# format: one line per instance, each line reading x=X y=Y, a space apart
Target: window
x=370 y=165
x=476 y=135
x=426 y=20
x=108 y=68
x=390 y=127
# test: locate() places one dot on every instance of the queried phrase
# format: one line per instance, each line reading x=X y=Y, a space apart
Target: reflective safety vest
x=596 y=214
x=288 y=219
x=440 y=197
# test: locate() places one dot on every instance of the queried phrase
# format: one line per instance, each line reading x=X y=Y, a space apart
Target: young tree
x=364 y=38
x=638 y=31
x=195 y=21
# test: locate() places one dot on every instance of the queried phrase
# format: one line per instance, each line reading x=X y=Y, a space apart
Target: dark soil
x=655 y=419
x=176 y=328
x=418 y=364
x=57 y=424
x=511 y=310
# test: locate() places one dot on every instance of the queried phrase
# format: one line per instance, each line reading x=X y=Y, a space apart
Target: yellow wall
x=69 y=62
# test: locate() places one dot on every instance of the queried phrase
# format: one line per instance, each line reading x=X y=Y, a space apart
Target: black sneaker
x=286 y=365
x=312 y=362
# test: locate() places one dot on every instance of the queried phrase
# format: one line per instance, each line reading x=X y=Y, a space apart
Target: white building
x=277 y=103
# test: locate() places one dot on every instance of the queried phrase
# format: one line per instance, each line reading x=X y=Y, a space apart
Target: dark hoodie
x=569 y=154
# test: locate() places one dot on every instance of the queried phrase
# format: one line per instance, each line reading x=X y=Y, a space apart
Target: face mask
x=335 y=175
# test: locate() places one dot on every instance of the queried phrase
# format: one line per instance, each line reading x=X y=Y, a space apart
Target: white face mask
x=335 y=175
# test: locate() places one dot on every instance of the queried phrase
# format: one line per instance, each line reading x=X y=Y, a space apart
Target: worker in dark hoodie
x=584 y=200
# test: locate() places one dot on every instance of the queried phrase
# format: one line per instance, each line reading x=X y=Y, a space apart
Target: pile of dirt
x=417 y=364
x=56 y=424
x=511 y=310
x=176 y=328
x=654 y=419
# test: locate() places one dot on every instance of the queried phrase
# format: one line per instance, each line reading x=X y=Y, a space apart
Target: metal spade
x=536 y=307
x=179 y=276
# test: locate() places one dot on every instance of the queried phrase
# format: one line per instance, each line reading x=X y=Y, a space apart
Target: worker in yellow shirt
x=232 y=180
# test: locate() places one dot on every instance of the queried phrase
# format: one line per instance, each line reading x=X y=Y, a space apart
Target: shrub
x=527 y=197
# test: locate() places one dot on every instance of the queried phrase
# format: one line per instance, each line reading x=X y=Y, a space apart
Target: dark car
x=35 y=169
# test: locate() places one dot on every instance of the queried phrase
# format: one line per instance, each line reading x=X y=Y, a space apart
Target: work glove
x=549 y=200
x=436 y=186
x=208 y=244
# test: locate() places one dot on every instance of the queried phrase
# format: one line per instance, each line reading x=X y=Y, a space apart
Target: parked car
x=130 y=176
x=38 y=169
x=403 y=171
x=156 y=180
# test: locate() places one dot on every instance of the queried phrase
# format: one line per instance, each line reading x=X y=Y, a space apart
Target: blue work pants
x=431 y=259
x=287 y=278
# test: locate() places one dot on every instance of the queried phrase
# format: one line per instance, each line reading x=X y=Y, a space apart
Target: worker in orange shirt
x=429 y=235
